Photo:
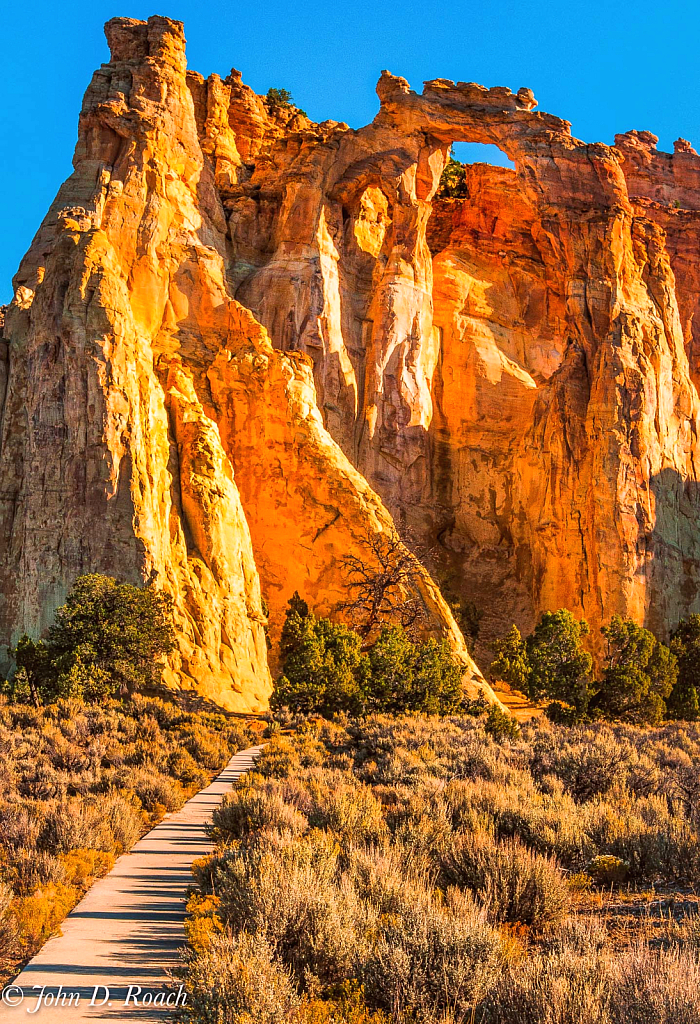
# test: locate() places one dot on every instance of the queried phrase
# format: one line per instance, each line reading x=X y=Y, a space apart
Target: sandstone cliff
x=514 y=372
x=148 y=424
x=242 y=342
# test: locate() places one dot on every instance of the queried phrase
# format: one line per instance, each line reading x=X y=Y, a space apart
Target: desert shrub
x=608 y=870
x=648 y=836
x=685 y=932
x=206 y=746
x=351 y=812
x=237 y=981
x=155 y=790
x=72 y=825
x=648 y=987
x=39 y=914
x=566 y=987
x=386 y=876
x=247 y=810
x=203 y=922
x=349 y=1006
x=30 y=870
x=123 y=820
x=42 y=782
x=432 y=960
x=82 y=867
x=591 y=766
x=424 y=885
x=421 y=826
x=289 y=892
x=20 y=825
x=8 y=926
x=512 y=882
x=186 y=770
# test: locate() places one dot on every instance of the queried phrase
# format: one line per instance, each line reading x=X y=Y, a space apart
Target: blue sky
x=604 y=65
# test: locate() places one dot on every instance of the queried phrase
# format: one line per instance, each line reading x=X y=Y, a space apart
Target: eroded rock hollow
x=242 y=343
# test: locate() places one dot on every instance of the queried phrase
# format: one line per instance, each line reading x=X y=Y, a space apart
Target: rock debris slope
x=242 y=342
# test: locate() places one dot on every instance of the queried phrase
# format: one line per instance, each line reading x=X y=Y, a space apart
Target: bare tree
x=383 y=582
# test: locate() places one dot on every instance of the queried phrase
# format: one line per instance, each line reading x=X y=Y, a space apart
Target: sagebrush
x=419 y=869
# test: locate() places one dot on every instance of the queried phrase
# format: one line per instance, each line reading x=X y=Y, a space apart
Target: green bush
x=558 y=665
x=500 y=725
x=684 y=699
x=407 y=676
x=562 y=713
x=324 y=668
x=551 y=662
x=453 y=181
x=511 y=664
x=639 y=674
x=279 y=98
x=108 y=639
x=326 y=671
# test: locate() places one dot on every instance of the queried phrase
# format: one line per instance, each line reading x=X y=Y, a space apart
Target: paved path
x=128 y=928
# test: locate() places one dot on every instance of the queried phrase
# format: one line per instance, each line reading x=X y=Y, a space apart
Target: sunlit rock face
x=513 y=372
x=242 y=343
x=151 y=426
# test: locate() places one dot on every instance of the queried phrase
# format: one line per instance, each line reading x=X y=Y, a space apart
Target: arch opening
x=480 y=153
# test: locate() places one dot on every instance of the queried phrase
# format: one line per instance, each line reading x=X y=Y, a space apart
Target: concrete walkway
x=127 y=930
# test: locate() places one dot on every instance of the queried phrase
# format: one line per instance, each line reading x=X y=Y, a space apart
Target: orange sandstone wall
x=149 y=426
x=241 y=341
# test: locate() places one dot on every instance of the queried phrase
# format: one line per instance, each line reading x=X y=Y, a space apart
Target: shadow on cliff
x=671 y=549
x=190 y=701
